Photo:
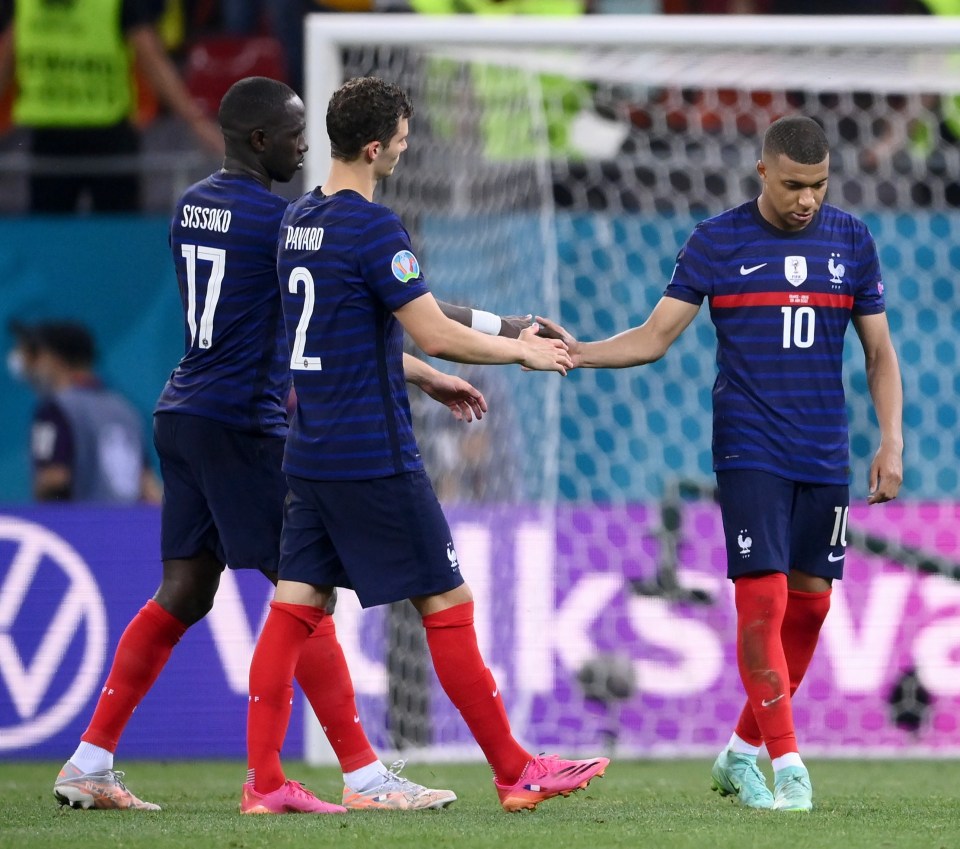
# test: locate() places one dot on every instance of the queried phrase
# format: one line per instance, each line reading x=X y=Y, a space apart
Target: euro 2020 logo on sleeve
x=405 y=266
x=53 y=633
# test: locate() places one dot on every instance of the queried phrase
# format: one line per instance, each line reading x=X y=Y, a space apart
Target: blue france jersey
x=224 y=241
x=345 y=265
x=781 y=302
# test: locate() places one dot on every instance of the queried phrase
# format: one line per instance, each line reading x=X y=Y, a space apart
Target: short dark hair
x=798 y=138
x=253 y=103
x=71 y=341
x=363 y=110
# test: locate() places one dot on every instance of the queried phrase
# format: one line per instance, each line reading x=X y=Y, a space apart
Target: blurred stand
x=168 y=163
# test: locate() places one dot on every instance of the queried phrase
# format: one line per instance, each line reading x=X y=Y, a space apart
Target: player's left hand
x=886 y=475
x=465 y=401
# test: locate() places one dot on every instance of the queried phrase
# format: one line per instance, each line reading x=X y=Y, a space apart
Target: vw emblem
x=53 y=633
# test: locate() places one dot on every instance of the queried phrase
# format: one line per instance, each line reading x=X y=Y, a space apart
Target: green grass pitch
x=657 y=804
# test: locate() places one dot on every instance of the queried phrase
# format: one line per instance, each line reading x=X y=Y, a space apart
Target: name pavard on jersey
x=304 y=238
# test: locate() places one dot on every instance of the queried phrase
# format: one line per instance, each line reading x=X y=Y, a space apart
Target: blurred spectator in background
x=819 y=7
x=73 y=64
x=87 y=442
x=356 y=6
x=934 y=126
x=456 y=7
x=948 y=8
x=508 y=135
x=283 y=20
x=783 y=7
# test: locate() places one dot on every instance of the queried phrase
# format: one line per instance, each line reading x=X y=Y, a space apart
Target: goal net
x=556 y=166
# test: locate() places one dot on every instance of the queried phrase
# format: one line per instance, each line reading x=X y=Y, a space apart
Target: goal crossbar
x=896 y=54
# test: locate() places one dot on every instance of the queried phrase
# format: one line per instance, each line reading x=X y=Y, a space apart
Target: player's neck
x=352 y=176
x=235 y=166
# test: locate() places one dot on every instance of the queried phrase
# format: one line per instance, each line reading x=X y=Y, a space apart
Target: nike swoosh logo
x=356 y=718
x=834 y=558
x=744 y=270
x=774 y=700
x=495 y=692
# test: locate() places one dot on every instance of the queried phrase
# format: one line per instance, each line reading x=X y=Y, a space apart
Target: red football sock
x=271 y=692
x=468 y=683
x=141 y=654
x=323 y=675
x=800 y=633
x=761 y=605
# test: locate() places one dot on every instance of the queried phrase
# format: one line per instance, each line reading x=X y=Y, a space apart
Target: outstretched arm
x=886 y=390
x=165 y=80
x=439 y=336
x=634 y=347
x=464 y=400
x=486 y=322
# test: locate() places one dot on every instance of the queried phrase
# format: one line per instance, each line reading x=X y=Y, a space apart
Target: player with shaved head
x=219 y=430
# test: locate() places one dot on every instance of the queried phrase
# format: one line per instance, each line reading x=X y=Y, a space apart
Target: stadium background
x=643 y=426
x=572 y=509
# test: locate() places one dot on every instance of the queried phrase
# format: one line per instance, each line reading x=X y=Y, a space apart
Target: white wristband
x=485 y=322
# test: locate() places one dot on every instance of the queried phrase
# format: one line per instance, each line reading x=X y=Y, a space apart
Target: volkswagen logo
x=53 y=633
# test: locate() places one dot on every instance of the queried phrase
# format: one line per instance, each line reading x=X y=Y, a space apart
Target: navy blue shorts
x=223 y=491
x=772 y=524
x=386 y=539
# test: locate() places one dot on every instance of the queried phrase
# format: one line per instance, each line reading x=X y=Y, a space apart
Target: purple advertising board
x=560 y=593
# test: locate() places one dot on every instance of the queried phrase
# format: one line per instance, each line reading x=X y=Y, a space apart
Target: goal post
x=556 y=166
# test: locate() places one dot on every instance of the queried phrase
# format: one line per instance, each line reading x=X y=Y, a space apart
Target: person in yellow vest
x=920 y=126
x=948 y=8
x=949 y=106
x=72 y=64
x=508 y=134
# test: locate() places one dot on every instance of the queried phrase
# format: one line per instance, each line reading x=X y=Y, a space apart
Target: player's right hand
x=886 y=474
x=544 y=354
x=551 y=330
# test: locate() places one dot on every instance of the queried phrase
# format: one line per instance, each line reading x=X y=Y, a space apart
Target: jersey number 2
x=298 y=357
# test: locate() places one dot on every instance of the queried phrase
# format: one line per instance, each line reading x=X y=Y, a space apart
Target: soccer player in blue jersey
x=784 y=275
x=219 y=430
x=361 y=512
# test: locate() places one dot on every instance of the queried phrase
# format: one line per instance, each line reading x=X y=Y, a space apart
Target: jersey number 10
x=798 y=325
